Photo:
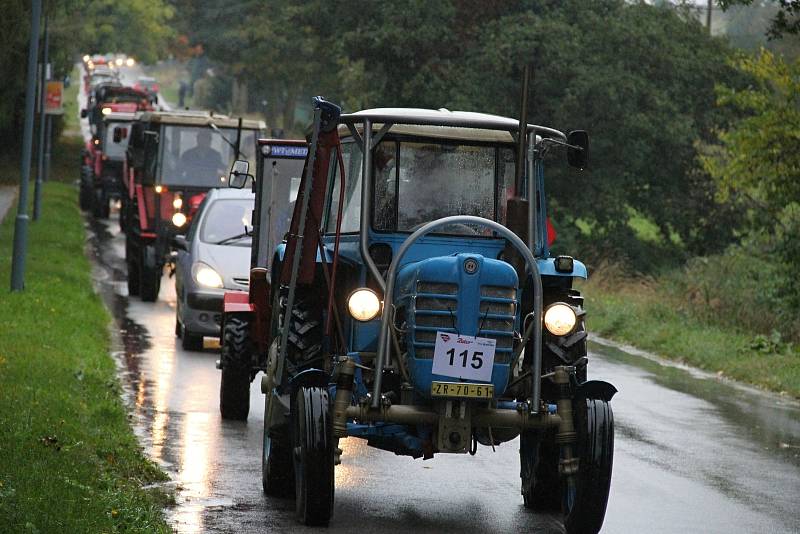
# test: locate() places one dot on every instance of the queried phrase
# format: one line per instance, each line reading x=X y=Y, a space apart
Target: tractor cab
x=173 y=158
x=414 y=304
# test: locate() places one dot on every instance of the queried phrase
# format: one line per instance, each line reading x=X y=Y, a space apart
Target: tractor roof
x=443 y=124
x=199 y=118
x=119 y=116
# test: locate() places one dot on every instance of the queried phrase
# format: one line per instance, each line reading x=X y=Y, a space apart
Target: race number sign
x=467 y=357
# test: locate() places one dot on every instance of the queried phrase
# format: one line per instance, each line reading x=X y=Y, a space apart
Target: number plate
x=454 y=389
x=467 y=357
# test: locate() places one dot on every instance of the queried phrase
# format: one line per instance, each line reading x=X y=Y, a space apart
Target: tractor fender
x=595 y=389
x=237 y=302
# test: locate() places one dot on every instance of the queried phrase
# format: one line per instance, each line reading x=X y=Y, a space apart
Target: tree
x=757 y=161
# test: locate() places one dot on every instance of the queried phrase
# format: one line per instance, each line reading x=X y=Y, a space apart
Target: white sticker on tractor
x=466 y=357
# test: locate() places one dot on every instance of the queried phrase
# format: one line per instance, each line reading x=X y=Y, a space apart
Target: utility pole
x=708 y=16
x=43 y=123
x=21 y=222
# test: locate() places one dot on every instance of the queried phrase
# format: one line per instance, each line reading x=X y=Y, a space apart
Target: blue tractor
x=414 y=303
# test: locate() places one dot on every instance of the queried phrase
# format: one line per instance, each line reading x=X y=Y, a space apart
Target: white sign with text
x=467 y=357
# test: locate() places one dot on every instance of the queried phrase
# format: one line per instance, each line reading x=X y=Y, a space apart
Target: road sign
x=54 y=101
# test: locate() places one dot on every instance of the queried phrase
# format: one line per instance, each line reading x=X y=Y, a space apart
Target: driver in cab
x=202 y=162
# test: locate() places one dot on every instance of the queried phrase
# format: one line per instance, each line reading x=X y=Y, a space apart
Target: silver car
x=213 y=258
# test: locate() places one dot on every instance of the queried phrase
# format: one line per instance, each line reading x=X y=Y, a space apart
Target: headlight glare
x=206 y=276
x=179 y=219
x=560 y=319
x=363 y=304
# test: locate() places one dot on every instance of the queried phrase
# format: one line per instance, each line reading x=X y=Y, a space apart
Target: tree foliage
x=757 y=161
x=135 y=27
x=786 y=20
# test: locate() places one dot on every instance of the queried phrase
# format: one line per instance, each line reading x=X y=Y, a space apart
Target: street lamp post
x=21 y=222
x=43 y=124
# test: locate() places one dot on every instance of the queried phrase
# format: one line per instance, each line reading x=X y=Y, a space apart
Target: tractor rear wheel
x=85 y=196
x=132 y=261
x=100 y=208
x=237 y=356
x=584 y=503
x=312 y=440
x=305 y=331
x=277 y=468
x=539 y=455
x=149 y=275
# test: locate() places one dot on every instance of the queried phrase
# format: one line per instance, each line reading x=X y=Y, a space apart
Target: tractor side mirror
x=578 y=152
x=239 y=174
x=83 y=113
x=179 y=242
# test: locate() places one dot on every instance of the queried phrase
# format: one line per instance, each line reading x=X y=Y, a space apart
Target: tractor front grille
x=435 y=309
x=498 y=310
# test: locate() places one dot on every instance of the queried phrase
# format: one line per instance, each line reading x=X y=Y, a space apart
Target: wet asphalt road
x=693 y=454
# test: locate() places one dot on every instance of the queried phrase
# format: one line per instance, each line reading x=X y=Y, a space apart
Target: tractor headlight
x=179 y=219
x=363 y=304
x=206 y=276
x=560 y=319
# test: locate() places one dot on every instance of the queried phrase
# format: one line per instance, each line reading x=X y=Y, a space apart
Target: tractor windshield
x=197 y=156
x=416 y=182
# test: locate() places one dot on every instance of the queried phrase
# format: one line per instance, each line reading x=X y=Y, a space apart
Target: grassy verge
x=680 y=318
x=69 y=461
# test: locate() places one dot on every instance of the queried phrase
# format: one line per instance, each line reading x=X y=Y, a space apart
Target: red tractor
x=103 y=164
x=173 y=159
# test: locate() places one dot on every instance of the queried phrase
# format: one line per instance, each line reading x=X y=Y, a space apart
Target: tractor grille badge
x=471 y=266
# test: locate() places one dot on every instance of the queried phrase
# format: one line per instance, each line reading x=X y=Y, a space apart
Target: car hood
x=230 y=261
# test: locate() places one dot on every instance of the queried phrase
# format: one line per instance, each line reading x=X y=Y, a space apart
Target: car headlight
x=363 y=304
x=560 y=319
x=205 y=275
x=179 y=219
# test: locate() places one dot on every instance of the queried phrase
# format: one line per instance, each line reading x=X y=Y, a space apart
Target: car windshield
x=227 y=222
x=416 y=182
x=110 y=148
x=199 y=156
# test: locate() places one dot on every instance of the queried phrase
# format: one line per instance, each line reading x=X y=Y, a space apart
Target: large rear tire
x=312 y=439
x=237 y=357
x=584 y=505
x=132 y=261
x=539 y=456
x=149 y=275
x=277 y=467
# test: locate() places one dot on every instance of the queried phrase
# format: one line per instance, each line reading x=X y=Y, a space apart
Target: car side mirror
x=578 y=151
x=180 y=243
x=83 y=113
x=239 y=174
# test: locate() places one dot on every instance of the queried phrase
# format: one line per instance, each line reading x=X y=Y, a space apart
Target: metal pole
x=523 y=130
x=48 y=146
x=21 y=222
x=708 y=16
x=37 y=191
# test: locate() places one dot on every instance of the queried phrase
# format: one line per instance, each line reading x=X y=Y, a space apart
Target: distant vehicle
x=104 y=160
x=213 y=257
x=147 y=84
x=113 y=97
x=174 y=159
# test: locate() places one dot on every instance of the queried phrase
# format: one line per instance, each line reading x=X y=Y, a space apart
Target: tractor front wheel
x=277 y=476
x=312 y=440
x=237 y=355
x=584 y=502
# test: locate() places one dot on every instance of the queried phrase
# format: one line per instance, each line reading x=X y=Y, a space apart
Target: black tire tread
x=237 y=356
